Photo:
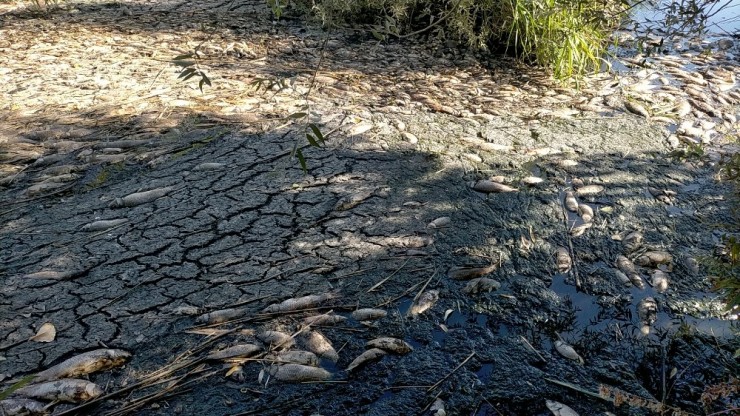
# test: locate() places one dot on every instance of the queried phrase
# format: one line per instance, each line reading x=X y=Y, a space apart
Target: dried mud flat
x=213 y=227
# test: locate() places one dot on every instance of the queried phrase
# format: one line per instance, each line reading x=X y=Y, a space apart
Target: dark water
x=716 y=17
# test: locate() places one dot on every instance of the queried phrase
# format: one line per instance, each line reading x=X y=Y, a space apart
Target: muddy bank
x=256 y=231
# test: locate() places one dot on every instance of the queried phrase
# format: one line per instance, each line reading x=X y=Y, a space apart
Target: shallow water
x=723 y=18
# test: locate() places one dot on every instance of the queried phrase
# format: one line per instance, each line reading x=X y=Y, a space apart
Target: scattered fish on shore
x=439 y=222
x=220 y=316
x=368 y=314
x=276 y=339
x=303 y=302
x=65 y=390
x=487 y=186
x=295 y=357
x=324 y=319
x=632 y=241
x=567 y=351
x=22 y=407
x=373 y=354
x=586 y=212
x=236 y=351
x=570 y=202
x=389 y=344
x=654 y=258
x=627 y=267
x=647 y=311
x=319 y=345
x=426 y=301
x=85 y=363
x=563 y=261
x=559 y=409
x=296 y=373
x=140 y=198
x=660 y=281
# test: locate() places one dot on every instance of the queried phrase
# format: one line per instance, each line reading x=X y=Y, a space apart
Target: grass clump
x=569 y=36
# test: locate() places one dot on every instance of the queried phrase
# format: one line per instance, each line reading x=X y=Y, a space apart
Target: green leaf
x=184 y=64
x=377 y=35
x=183 y=57
x=190 y=76
x=185 y=72
x=317 y=132
x=203 y=80
x=301 y=160
x=312 y=140
x=297 y=115
x=22 y=382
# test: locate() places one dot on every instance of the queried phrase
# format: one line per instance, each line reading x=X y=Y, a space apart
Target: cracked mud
x=206 y=254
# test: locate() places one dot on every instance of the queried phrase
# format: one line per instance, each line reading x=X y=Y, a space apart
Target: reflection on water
x=688 y=17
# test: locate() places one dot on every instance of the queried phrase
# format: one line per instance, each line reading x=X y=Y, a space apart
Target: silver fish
x=85 y=363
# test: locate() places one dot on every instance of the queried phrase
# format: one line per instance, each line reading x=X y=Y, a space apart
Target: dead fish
x=647 y=311
x=319 y=345
x=632 y=241
x=44 y=187
x=625 y=265
x=559 y=409
x=636 y=108
x=704 y=107
x=217 y=317
x=394 y=345
x=586 y=212
x=532 y=180
x=295 y=357
x=654 y=258
x=660 y=281
x=366 y=357
x=303 y=302
x=298 y=373
x=50 y=275
x=580 y=229
x=623 y=278
x=589 y=190
x=276 y=339
x=103 y=225
x=210 y=166
x=139 y=198
x=188 y=310
x=425 y=301
x=65 y=390
x=22 y=407
x=440 y=222
x=662 y=195
x=438 y=408
x=567 y=351
x=563 y=260
x=465 y=273
x=480 y=285
x=488 y=187
x=682 y=108
x=570 y=202
x=236 y=351
x=324 y=319
x=85 y=363
x=368 y=314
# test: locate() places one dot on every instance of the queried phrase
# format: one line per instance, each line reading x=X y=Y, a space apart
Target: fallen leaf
x=46 y=333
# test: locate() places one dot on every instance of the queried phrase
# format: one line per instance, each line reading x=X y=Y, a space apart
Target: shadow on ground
x=256 y=230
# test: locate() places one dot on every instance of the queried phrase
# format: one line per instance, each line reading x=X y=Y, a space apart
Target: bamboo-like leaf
x=183 y=57
x=301 y=160
x=22 y=382
x=295 y=116
x=317 y=132
x=312 y=141
x=186 y=72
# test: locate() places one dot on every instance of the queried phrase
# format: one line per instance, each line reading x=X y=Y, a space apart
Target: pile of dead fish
x=60 y=383
x=296 y=354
